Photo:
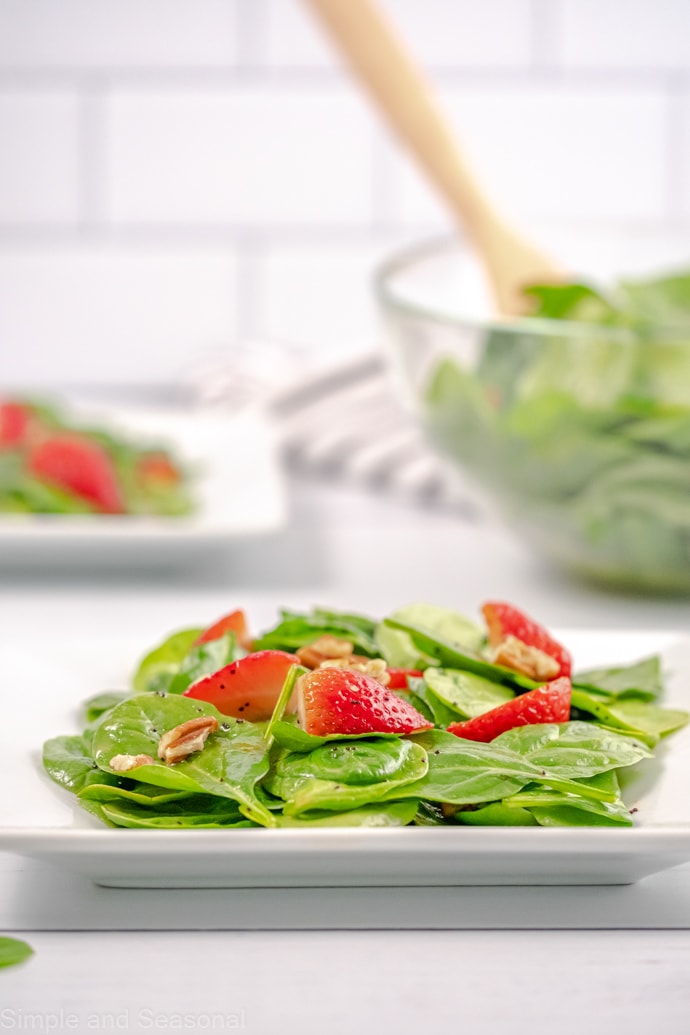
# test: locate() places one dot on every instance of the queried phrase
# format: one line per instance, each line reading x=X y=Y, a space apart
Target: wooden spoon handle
x=398 y=88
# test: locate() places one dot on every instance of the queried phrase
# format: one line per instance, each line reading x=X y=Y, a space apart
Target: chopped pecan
x=530 y=661
x=182 y=741
x=123 y=763
x=374 y=667
x=324 y=649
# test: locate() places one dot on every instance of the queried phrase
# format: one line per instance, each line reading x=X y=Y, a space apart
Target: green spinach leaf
x=202 y=660
x=158 y=667
x=233 y=761
x=465 y=693
x=13 y=951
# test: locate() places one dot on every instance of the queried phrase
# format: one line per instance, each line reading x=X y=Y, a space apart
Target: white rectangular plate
x=238 y=489
x=39 y=820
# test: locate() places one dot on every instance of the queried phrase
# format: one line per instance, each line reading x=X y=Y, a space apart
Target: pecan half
x=183 y=740
x=530 y=661
x=123 y=763
x=327 y=647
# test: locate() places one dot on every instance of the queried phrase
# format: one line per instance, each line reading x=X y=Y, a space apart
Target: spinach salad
x=53 y=464
x=425 y=717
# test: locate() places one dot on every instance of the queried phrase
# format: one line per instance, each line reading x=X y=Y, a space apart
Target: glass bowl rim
x=410 y=256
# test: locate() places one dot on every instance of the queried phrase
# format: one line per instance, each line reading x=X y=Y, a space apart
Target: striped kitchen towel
x=341 y=424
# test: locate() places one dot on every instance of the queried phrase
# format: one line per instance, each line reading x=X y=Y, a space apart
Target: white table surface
x=138 y=961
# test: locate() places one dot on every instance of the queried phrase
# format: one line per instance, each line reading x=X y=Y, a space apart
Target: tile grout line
x=545 y=36
x=539 y=74
x=247 y=237
x=676 y=159
x=250 y=24
x=251 y=253
x=92 y=156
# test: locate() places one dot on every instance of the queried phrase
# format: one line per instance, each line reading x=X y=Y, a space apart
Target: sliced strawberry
x=398 y=677
x=247 y=688
x=337 y=700
x=83 y=467
x=504 y=620
x=158 y=468
x=15 y=419
x=548 y=703
x=235 y=622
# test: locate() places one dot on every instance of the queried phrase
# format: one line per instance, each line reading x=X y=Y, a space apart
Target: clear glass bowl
x=578 y=435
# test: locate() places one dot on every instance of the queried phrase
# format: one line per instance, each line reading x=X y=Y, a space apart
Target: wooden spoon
x=405 y=99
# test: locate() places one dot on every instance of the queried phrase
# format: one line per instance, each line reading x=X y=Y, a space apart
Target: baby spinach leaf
x=650 y=718
x=295 y=630
x=398 y=650
x=643 y=679
x=497 y=814
x=449 y=626
x=417 y=698
x=393 y=814
x=430 y=704
x=464 y=772
x=570 y=302
x=640 y=719
x=451 y=656
x=306 y=783
x=217 y=815
x=572 y=750
x=233 y=760
x=100 y=703
x=465 y=693
x=68 y=762
x=202 y=660
x=352 y=762
x=578 y=815
x=157 y=668
x=13 y=951
x=663 y=300
x=131 y=790
x=667 y=432
x=430 y=814
x=554 y=808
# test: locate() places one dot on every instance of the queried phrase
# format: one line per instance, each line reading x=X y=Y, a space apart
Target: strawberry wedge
x=248 y=688
x=235 y=622
x=336 y=700
x=73 y=462
x=15 y=419
x=548 y=703
x=504 y=620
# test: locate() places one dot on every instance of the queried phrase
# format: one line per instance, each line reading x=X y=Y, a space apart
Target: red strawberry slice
x=336 y=700
x=398 y=677
x=83 y=467
x=248 y=688
x=15 y=419
x=235 y=622
x=157 y=468
x=504 y=620
x=548 y=703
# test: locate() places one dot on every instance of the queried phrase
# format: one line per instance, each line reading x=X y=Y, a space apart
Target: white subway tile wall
x=92 y=313
x=242 y=157
x=178 y=176
x=39 y=157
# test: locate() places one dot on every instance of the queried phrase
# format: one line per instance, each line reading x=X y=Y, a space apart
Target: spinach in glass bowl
x=573 y=423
